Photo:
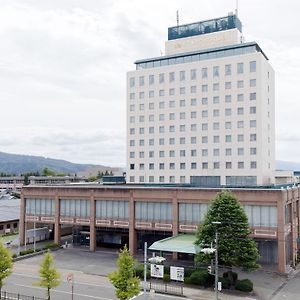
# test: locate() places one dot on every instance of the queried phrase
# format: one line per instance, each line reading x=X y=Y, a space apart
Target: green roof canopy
x=183 y=243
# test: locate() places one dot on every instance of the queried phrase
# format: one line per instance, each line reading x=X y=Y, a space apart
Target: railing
x=165 y=288
x=14 y=296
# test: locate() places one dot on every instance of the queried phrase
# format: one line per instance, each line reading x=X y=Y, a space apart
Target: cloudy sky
x=63 y=67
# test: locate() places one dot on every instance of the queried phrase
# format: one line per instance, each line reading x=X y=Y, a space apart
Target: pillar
x=22 y=220
x=175 y=224
x=132 y=231
x=92 y=222
x=281 y=232
x=57 y=235
x=294 y=225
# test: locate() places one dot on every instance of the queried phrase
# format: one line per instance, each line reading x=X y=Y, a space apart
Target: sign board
x=177 y=273
x=70 y=278
x=157 y=271
x=219 y=286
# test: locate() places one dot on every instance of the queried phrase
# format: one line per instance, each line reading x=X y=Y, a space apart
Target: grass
x=4 y=239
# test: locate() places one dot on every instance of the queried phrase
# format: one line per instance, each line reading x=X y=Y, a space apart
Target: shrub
x=244 y=285
x=51 y=246
x=187 y=280
x=25 y=252
x=188 y=272
x=166 y=278
x=225 y=282
x=201 y=278
x=14 y=255
x=139 y=271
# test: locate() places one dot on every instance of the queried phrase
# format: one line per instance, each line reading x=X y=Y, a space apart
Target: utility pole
x=216 y=263
x=145 y=270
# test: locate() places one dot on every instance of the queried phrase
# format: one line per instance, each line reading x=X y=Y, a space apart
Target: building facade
x=204 y=112
x=100 y=215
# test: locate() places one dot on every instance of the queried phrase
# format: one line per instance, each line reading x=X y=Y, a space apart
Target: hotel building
x=204 y=112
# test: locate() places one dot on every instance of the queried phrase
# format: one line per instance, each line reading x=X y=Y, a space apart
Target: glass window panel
x=273 y=216
x=256 y=215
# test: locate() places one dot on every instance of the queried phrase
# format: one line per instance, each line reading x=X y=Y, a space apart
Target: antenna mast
x=237 y=7
x=177 y=18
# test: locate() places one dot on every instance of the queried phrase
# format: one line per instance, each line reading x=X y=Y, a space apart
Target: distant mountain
x=287 y=165
x=18 y=164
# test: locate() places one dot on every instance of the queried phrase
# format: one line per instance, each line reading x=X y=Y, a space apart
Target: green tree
x=124 y=280
x=50 y=277
x=235 y=247
x=6 y=264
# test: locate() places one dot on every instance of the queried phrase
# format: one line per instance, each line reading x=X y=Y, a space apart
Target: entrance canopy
x=182 y=243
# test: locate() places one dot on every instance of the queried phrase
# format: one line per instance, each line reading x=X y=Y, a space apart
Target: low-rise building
x=132 y=214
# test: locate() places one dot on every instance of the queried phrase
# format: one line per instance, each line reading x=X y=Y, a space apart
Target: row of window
x=193 y=90
x=193 y=127
x=204 y=140
x=193 y=74
x=193 y=153
x=193 y=115
x=193 y=165
x=182 y=91
x=193 y=102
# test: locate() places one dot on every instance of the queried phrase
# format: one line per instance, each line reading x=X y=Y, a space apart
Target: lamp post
x=214 y=250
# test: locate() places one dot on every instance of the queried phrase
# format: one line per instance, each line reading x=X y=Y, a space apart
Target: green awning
x=182 y=243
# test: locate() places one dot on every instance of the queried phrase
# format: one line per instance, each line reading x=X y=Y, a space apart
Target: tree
x=6 y=264
x=124 y=280
x=235 y=247
x=50 y=277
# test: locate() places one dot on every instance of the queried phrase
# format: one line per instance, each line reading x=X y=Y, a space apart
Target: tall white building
x=204 y=112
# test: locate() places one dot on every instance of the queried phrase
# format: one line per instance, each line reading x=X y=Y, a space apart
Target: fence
x=13 y=296
x=165 y=288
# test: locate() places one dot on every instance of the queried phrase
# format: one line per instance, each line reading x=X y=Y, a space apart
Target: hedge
x=244 y=285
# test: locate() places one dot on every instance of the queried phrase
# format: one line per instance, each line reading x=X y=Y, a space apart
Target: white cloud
x=63 y=66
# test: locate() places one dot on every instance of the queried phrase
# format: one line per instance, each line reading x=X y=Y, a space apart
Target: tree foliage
x=124 y=280
x=6 y=264
x=235 y=247
x=50 y=277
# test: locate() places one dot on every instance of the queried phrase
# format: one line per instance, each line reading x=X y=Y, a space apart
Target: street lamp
x=214 y=250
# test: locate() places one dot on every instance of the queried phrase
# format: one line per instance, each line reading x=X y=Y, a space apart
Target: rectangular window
x=228 y=98
x=240 y=84
x=227 y=125
x=171 y=76
x=216 y=152
x=132 y=82
x=252 y=82
x=151 y=105
x=182 y=166
x=151 y=154
x=240 y=68
x=182 y=128
x=240 y=111
x=228 y=138
x=204 y=73
x=161 y=117
x=252 y=123
x=142 y=130
x=161 y=166
x=151 y=94
x=204 y=101
x=228 y=85
x=252 y=151
x=204 y=88
x=171 y=141
x=182 y=140
x=171 y=92
x=240 y=97
x=216 y=112
x=161 y=93
x=204 y=126
x=216 y=126
x=193 y=152
x=151 y=130
x=193 y=165
x=172 y=104
x=227 y=70
x=182 y=103
x=161 y=78
x=193 y=127
x=151 y=118
x=216 y=139
x=132 y=119
x=204 y=140
x=228 y=165
x=194 y=114
x=216 y=100
x=216 y=87
x=193 y=89
x=193 y=140
x=141 y=95
x=171 y=128
x=204 y=114
x=252 y=137
x=182 y=75
x=151 y=142
x=193 y=74
x=142 y=142
x=252 y=109
x=193 y=102
x=141 y=119
x=216 y=71
x=216 y=165
x=161 y=129
x=132 y=96
x=253 y=165
x=227 y=111
x=240 y=165
x=182 y=153
x=240 y=138
x=161 y=153
x=151 y=79
x=228 y=152
x=204 y=152
x=204 y=165
x=171 y=116
x=161 y=179
x=132 y=154
x=171 y=153
x=252 y=96
x=141 y=80
x=182 y=91
x=253 y=66
x=240 y=124
x=240 y=151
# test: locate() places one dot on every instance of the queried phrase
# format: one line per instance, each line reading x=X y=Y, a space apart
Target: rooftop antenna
x=236 y=7
x=177 y=17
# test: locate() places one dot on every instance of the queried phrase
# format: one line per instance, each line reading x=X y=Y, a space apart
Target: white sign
x=219 y=286
x=177 y=273
x=157 y=271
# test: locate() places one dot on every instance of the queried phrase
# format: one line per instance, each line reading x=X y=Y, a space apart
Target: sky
x=63 y=67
